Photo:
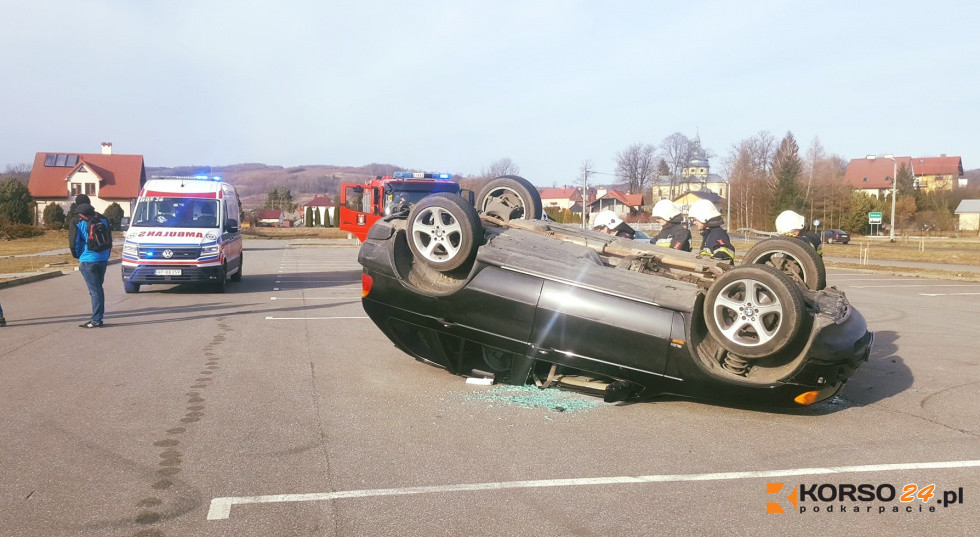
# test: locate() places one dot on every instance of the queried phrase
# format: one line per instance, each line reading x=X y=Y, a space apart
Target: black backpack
x=99 y=236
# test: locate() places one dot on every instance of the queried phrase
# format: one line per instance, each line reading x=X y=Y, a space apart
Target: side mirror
x=231 y=226
x=124 y=223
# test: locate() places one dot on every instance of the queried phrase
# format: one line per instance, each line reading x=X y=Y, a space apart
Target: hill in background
x=254 y=181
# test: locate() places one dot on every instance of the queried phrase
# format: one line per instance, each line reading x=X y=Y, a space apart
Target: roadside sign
x=874 y=218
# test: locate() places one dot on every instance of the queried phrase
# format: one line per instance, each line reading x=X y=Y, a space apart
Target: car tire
x=237 y=276
x=510 y=197
x=830 y=240
x=754 y=311
x=131 y=287
x=792 y=256
x=444 y=231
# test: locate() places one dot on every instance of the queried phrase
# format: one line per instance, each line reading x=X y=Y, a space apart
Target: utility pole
x=586 y=171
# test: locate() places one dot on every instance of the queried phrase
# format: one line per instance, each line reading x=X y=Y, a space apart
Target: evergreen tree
x=16 y=202
x=54 y=216
x=786 y=170
x=114 y=215
x=856 y=218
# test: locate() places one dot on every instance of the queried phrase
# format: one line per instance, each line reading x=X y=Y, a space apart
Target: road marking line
x=947 y=294
x=221 y=507
x=270 y=318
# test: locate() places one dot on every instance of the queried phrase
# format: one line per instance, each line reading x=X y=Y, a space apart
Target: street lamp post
x=891 y=230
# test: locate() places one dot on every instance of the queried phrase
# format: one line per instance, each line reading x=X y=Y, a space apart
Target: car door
x=588 y=325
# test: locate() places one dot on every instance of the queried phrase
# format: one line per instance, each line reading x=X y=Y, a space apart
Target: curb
x=44 y=276
x=31 y=279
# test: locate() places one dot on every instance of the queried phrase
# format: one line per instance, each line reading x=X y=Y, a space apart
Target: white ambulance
x=184 y=230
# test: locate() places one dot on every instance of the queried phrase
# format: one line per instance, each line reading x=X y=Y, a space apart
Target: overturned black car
x=491 y=291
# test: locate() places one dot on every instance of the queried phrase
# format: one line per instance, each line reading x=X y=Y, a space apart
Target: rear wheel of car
x=754 y=311
x=444 y=231
x=509 y=197
x=131 y=287
x=237 y=276
x=830 y=240
x=793 y=257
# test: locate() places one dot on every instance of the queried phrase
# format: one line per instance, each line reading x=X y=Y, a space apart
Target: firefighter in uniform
x=609 y=222
x=793 y=224
x=715 y=242
x=673 y=234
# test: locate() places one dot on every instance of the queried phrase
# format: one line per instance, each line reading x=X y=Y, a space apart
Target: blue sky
x=455 y=85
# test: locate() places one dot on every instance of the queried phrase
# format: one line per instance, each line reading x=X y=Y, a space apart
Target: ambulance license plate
x=167 y=272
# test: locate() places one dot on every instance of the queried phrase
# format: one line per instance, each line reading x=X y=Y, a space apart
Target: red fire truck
x=361 y=205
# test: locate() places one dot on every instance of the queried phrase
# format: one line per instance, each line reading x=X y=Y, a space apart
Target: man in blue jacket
x=92 y=264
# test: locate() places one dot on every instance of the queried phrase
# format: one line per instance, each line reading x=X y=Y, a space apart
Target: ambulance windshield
x=176 y=212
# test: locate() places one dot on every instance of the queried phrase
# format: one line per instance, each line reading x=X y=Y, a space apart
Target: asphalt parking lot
x=279 y=409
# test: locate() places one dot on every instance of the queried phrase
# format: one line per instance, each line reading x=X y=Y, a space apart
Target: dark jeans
x=94 y=274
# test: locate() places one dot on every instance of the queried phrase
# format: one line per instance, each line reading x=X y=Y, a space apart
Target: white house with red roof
x=320 y=205
x=873 y=175
x=619 y=202
x=560 y=198
x=270 y=217
x=106 y=179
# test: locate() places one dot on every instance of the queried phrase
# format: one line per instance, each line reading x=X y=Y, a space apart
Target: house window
x=89 y=188
x=76 y=189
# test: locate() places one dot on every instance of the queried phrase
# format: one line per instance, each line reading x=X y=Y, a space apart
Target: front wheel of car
x=444 y=231
x=754 y=311
x=510 y=197
x=792 y=256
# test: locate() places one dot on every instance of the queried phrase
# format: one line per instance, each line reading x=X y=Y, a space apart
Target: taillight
x=366 y=283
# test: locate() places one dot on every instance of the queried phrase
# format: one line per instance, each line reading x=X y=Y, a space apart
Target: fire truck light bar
x=420 y=175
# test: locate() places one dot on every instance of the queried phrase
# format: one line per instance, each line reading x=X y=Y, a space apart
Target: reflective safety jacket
x=810 y=238
x=673 y=235
x=716 y=244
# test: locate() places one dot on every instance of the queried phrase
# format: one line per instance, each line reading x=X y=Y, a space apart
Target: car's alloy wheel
x=444 y=231
x=754 y=311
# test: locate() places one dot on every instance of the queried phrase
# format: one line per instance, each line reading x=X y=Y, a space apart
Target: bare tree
x=636 y=165
x=676 y=150
x=504 y=166
x=749 y=166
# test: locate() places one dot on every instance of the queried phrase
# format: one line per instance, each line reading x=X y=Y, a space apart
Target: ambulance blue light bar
x=207 y=178
x=420 y=175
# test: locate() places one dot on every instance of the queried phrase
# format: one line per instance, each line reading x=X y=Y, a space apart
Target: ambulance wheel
x=131 y=287
x=237 y=276
x=221 y=285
